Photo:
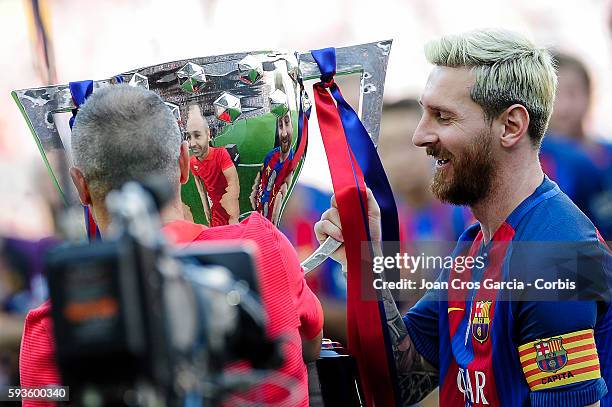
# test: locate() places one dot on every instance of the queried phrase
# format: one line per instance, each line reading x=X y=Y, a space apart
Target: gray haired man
x=123 y=133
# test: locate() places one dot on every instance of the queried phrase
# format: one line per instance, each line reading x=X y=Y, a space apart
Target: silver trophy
x=244 y=107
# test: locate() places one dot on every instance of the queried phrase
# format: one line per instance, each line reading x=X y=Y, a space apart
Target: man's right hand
x=330 y=225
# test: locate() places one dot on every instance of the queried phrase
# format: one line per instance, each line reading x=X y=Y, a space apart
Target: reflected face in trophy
x=284 y=129
x=197 y=132
x=454 y=131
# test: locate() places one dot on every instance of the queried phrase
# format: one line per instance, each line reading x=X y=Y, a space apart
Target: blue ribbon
x=80 y=91
x=363 y=148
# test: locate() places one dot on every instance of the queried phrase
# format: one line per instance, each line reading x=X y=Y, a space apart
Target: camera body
x=136 y=320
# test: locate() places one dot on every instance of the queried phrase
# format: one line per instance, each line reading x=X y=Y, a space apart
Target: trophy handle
x=371 y=61
x=326 y=249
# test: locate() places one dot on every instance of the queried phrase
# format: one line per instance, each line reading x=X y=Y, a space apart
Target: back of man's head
x=123 y=133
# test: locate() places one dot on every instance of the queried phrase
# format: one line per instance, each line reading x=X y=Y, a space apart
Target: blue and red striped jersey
x=513 y=332
x=273 y=174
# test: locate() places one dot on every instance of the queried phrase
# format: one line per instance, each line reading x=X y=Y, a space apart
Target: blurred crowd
x=578 y=161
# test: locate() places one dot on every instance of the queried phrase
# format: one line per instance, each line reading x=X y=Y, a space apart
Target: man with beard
x=486 y=106
x=215 y=174
x=272 y=181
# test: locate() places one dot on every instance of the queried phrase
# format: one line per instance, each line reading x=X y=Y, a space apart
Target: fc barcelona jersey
x=503 y=333
x=273 y=173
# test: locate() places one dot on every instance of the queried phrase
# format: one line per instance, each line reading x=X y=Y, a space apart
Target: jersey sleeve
x=307 y=304
x=267 y=159
x=558 y=343
x=278 y=257
x=422 y=325
x=558 y=353
x=37 y=366
x=225 y=161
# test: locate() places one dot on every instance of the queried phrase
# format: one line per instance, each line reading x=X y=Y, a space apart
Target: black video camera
x=139 y=323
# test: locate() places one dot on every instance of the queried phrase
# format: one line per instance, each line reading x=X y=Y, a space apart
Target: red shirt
x=291 y=306
x=37 y=355
x=210 y=170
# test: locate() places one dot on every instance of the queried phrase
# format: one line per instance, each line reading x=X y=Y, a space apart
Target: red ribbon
x=364 y=322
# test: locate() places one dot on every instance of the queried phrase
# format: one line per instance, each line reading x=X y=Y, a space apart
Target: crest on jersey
x=550 y=354
x=481 y=324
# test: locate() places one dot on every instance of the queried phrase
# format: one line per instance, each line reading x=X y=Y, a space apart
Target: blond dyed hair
x=508 y=70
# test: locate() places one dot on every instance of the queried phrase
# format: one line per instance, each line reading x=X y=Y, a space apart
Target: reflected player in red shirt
x=272 y=181
x=215 y=174
x=136 y=117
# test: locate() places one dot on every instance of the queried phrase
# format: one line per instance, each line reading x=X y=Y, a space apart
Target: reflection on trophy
x=273 y=179
x=245 y=120
x=213 y=169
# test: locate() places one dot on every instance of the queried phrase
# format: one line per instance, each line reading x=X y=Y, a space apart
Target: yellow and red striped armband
x=560 y=360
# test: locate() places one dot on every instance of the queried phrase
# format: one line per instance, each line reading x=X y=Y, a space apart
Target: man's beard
x=203 y=152
x=285 y=146
x=472 y=176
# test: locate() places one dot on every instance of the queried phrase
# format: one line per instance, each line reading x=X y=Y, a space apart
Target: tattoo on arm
x=416 y=377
